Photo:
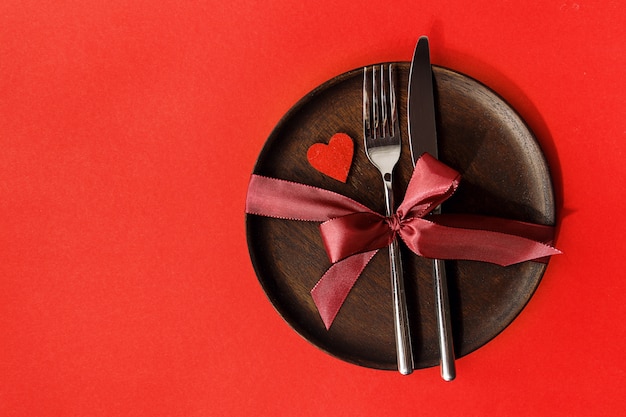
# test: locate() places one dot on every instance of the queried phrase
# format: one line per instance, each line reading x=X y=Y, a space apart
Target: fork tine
x=384 y=102
x=395 y=123
x=376 y=101
x=367 y=116
x=380 y=108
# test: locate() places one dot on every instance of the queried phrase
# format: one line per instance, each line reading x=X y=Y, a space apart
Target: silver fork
x=381 y=131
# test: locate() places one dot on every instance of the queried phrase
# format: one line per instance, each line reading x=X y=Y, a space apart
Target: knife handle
x=404 y=349
x=446 y=346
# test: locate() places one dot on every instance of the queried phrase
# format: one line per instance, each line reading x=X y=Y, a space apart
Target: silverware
x=423 y=138
x=381 y=131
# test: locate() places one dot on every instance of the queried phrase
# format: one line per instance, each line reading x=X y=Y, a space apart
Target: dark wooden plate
x=504 y=173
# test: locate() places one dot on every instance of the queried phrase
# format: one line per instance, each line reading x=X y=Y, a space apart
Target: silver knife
x=423 y=138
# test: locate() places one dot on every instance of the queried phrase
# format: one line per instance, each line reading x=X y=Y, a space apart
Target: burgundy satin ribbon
x=352 y=233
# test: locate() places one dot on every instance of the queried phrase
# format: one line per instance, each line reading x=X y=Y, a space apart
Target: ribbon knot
x=394 y=222
x=352 y=233
x=431 y=184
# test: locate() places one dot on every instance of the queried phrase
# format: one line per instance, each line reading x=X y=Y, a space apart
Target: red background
x=128 y=131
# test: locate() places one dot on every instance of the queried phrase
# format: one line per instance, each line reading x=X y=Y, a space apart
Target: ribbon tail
x=332 y=289
x=539 y=232
x=433 y=240
x=283 y=199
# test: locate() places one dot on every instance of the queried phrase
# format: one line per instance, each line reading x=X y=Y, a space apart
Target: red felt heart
x=333 y=159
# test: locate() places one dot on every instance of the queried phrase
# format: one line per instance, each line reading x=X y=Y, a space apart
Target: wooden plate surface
x=504 y=173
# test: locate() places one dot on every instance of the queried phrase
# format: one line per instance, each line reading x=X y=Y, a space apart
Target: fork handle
x=404 y=350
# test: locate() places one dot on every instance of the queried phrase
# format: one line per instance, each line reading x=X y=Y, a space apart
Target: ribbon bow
x=352 y=233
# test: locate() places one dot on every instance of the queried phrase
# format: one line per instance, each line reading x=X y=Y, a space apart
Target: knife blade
x=423 y=138
x=421 y=104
